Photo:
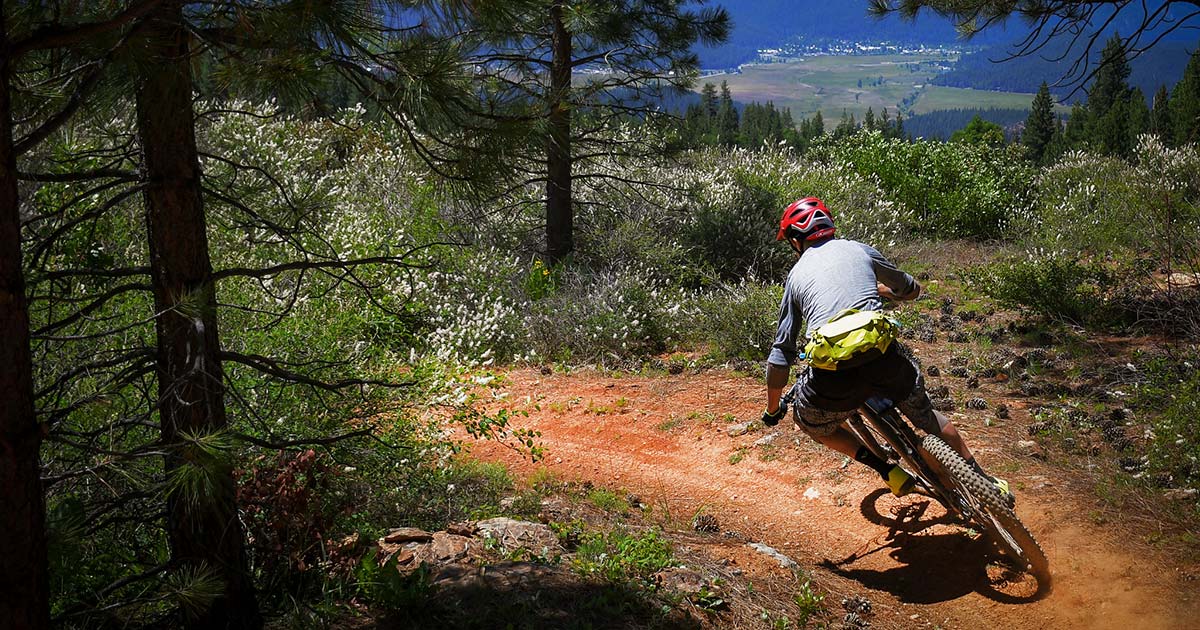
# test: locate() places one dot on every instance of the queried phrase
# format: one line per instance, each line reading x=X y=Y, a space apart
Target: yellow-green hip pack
x=850 y=339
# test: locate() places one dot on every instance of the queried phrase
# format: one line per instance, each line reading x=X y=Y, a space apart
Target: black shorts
x=827 y=398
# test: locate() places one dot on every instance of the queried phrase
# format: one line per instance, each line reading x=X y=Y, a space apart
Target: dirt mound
x=668 y=439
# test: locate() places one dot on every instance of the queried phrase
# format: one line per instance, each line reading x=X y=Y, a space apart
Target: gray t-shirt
x=829 y=278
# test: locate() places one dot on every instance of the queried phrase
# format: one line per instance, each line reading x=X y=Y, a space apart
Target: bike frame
x=902 y=446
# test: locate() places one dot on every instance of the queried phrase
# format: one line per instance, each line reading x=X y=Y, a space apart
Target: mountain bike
x=941 y=473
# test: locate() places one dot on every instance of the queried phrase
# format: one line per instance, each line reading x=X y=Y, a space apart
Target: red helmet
x=807 y=219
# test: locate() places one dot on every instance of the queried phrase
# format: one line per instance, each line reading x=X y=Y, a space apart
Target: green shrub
x=1054 y=287
x=736 y=238
x=952 y=189
x=1172 y=390
x=380 y=583
x=620 y=556
x=607 y=500
x=738 y=321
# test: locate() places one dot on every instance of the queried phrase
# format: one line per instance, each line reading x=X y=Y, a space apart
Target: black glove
x=772 y=419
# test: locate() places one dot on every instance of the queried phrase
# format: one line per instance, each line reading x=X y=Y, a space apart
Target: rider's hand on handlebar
x=772 y=419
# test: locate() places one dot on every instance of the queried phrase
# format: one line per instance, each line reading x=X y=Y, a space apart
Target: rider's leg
x=828 y=428
x=844 y=442
x=841 y=441
x=948 y=432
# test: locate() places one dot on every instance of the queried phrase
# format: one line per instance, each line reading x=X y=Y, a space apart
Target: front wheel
x=989 y=509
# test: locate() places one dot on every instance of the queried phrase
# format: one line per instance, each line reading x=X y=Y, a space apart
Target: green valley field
x=833 y=84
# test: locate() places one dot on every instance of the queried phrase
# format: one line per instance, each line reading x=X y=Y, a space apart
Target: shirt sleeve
x=888 y=273
x=783 y=351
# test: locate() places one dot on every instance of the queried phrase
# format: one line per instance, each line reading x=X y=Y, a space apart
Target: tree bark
x=24 y=584
x=560 y=215
x=204 y=533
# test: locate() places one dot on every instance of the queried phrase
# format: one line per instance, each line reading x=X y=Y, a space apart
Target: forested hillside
x=310 y=321
x=941 y=124
x=1156 y=67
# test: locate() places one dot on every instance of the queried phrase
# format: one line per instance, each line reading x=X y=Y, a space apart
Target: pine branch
x=60 y=36
x=274 y=368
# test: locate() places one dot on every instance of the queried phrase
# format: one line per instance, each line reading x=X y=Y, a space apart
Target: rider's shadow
x=928 y=567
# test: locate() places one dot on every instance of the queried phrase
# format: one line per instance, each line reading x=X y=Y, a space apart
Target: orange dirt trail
x=666 y=439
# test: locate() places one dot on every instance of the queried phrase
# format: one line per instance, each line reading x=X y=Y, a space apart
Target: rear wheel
x=990 y=510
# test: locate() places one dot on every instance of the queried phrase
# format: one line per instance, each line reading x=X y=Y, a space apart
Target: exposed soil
x=666 y=438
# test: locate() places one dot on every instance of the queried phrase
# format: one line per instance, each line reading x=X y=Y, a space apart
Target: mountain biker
x=829 y=277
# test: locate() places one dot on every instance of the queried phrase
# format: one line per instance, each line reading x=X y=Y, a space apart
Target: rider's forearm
x=886 y=292
x=777 y=376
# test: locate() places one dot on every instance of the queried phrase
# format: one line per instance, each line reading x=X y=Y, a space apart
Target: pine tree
x=1040 y=124
x=645 y=48
x=979 y=131
x=1185 y=103
x=1111 y=85
x=24 y=585
x=708 y=100
x=1108 y=101
x=1075 y=135
x=1138 y=119
x=1160 y=115
x=203 y=531
x=1057 y=145
x=869 y=120
x=727 y=118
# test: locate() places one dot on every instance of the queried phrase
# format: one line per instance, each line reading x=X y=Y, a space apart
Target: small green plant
x=544 y=481
x=381 y=584
x=540 y=281
x=810 y=602
x=607 y=500
x=669 y=423
x=599 y=410
x=709 y=599
x=620 y=556
x=737 y=456
x=569 y=534
x=527 y=504
x=1172 y=388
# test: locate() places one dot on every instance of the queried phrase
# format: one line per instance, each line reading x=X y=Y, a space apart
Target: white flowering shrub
x=475 y=307
x=596 y=316
x=715 y=213
x=739 y=320
x=1102 y=205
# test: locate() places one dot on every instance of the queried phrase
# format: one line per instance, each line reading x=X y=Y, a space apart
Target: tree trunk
x=204 y=532
x=24 y=585
x=559 y=214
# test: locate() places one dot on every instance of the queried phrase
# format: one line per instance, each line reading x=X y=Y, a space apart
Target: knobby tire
x=1019 y=545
